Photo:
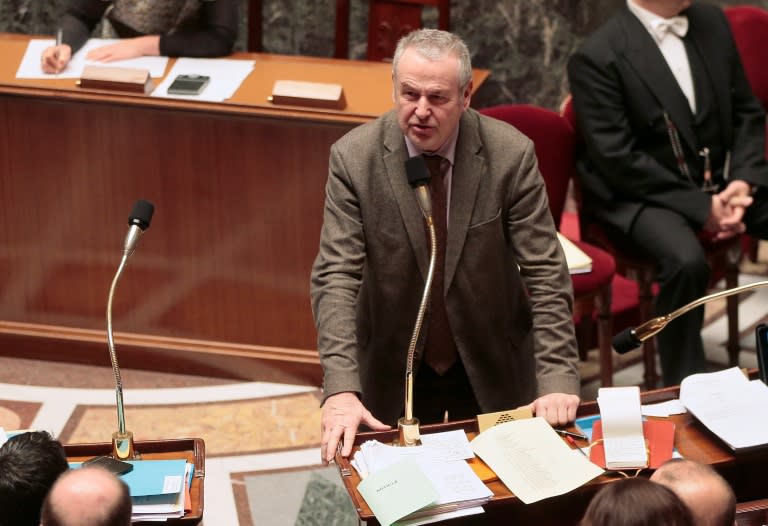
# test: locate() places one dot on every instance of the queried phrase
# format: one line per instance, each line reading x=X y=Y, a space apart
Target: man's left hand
x=558 y=409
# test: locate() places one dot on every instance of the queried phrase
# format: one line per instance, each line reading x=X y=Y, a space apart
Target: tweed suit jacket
x=512 y=326
x=622 y=87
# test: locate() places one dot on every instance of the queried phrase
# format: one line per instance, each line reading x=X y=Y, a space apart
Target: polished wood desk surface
x=191 y=449
x=367 y=85
x=692 y=440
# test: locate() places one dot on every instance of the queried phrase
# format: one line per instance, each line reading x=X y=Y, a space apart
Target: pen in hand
x=59 y=38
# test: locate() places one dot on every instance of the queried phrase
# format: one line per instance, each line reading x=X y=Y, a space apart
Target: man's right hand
x=55 y=58
x=725 y=216
x=341 y=416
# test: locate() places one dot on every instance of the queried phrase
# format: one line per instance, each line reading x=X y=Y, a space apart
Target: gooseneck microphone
x=631 y=338
x=418 y=177
x=138 y=221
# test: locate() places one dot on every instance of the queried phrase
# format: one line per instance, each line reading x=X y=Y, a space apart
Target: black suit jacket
x=622 y=87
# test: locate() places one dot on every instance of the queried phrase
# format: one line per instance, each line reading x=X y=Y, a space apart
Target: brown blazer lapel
x=468 y=169
x=395 y=153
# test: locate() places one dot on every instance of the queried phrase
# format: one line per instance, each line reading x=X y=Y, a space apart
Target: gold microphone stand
x=655 y=325
x=408 y=426
x=122 y=440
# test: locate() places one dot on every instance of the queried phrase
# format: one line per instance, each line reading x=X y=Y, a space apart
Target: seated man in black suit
x=675 y=144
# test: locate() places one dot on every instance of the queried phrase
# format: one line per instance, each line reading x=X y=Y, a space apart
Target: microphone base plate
x=123 y=446
x=408 y=432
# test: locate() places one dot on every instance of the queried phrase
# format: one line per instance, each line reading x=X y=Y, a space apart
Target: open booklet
x=622 y=427
x=730 y=406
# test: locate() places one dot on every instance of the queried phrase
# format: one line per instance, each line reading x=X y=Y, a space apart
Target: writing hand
x=556 y=408
x=55 y=58
x=341 y=416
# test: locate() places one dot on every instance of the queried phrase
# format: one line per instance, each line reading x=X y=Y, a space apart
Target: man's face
x=666 y=8
x=428 y=98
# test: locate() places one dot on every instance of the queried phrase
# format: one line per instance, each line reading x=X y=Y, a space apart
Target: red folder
x=659 y=438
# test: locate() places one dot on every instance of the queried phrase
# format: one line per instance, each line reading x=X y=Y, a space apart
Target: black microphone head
x=625 y=341
x=141 y=214
x=417 y=171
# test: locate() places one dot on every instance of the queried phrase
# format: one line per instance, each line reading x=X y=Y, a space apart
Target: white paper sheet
x=532 y=460
x=226 y=77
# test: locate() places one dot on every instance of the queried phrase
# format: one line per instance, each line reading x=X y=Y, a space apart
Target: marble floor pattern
x=262 y=439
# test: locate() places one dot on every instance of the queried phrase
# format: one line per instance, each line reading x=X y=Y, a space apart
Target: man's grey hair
x=434 y=44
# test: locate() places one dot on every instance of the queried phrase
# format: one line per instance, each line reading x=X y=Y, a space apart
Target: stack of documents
x=730 y=405
x=406 y=483
x=159 y=488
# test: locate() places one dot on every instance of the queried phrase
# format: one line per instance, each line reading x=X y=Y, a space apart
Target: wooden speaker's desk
x=746 y=473
x=190 y=449
x=219 y=284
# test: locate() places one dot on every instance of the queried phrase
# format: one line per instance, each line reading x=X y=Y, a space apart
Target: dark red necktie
x=440 y=349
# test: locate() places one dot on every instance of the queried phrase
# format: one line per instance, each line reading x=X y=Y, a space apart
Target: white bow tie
x=677 y=25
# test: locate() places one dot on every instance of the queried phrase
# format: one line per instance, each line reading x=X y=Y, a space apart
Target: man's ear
x=467 y=94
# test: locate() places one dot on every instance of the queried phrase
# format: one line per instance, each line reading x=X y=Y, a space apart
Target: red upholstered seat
x=749 y=25
x=554 y=142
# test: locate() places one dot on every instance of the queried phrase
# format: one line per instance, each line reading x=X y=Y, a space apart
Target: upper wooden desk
x=220 y=282
x=746 y=473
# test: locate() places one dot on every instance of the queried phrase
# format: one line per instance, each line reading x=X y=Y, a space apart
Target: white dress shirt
x=668 y=33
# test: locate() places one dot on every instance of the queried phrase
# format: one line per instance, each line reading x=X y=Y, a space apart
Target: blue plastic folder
x=155 y=477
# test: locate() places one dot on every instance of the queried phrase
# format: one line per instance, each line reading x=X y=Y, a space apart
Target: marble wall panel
x=525 y=43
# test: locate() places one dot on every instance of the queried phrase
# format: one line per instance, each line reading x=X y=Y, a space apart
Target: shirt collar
x=649 y=20
x=448 y=150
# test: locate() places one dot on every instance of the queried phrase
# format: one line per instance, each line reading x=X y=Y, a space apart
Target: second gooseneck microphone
x=138 y=221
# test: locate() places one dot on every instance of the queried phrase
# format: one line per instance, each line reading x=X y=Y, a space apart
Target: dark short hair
x=636 y=502
x=29 y=465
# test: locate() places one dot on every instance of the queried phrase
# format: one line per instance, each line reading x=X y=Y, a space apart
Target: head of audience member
x=636 y=502
x=90 y=496
x=432 y=84
x=708 y=495
x=665 y=8
x=29 y=465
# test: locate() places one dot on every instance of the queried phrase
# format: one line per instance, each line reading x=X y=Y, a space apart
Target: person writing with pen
x=191 y=28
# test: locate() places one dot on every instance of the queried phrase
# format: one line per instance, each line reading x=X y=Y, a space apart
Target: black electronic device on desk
x=190 y=84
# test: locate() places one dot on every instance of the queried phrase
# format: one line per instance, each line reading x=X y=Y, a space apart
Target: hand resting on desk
x=341 y=416
x=558 y=409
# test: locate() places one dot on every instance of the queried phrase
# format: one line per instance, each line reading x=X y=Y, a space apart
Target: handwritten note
x=532 y=460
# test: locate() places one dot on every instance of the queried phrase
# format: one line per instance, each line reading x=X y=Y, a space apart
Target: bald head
x=88 y=496
x=707 y=494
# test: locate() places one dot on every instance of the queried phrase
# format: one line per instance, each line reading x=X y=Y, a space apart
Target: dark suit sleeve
x=336 y=280
x=79 y=19
x=620 y=168
x=216 y=37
